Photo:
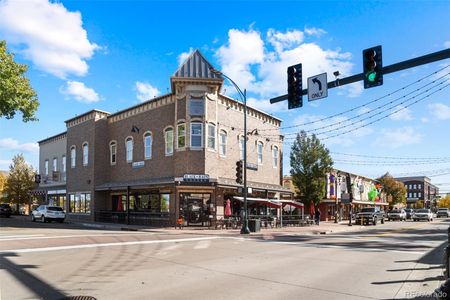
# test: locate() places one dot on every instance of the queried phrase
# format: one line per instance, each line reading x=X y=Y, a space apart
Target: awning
x=273 y=203
x=38 y=192
x=291 y=203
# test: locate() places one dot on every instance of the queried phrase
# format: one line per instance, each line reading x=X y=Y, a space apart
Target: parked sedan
x=48 y=213
x=423 y=214
x=5 y=210
x=443 y=212
x=397 y=214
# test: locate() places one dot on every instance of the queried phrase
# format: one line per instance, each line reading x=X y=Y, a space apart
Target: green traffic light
x=372 y=76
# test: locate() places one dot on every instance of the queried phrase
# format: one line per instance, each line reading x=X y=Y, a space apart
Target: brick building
x=172 y=155
x=419 y=188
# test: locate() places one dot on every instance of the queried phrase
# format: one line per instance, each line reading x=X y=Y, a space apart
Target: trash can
x=254 y=225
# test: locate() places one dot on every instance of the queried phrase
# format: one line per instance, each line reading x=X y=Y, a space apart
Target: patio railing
x=152 y=219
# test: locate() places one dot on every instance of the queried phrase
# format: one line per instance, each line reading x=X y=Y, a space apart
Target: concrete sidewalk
x=323 y=228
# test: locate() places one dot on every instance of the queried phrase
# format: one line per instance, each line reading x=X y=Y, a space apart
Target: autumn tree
x=394 y=190
x=310 y=163
x=20 y=181
x=2 y=184
x=444 y=202
x=16 y=93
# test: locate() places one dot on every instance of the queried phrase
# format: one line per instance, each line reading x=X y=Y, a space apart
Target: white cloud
x=14 y=145
x=183 y=56
x=52 y=37
x=80 y=92
x=244 y=49
x=145 y=91
x=447 y=44
x=314 y=31
x=440 y=111
x=396 y=138
x=403 y=114
x=286 y=40
x=265 y=105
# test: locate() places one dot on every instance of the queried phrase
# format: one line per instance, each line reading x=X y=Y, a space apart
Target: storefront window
x=79 y=203
x=165 y=202
x=196 y=208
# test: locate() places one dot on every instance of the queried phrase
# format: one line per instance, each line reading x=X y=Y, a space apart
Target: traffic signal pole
x=403 y=65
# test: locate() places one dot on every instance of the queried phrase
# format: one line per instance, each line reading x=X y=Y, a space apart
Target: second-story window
x=46 y=167
x=129 y=149
x=223 y=143
x=211 y=136
x=73 y=157
x=55 y=164
x=113 y=153
x=63 y=164
x=147 y=145
x=168 y=135
x=196 y=135
x=275 y=156
x=260 y=152
x=181 y=139
x=241 y=147
x=85 y=154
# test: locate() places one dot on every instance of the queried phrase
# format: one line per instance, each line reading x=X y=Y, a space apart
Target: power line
x=362 y=105
x=391 y=157
x=373 y=111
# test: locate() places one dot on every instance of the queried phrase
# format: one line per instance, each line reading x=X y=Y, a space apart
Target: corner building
x=171 y=156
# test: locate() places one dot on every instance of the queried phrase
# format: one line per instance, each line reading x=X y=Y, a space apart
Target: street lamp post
x=338 y=189
x=243 y=95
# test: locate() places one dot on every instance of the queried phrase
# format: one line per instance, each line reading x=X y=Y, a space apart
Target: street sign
x=317 y=87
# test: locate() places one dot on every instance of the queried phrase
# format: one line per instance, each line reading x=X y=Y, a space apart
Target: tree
x=16 y=93
x=394 y=190
x=310 y=163
x=444 y=202
x=2 y=184
x=20 y=181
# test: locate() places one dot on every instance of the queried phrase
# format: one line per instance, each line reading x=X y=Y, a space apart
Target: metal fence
x=136 y=218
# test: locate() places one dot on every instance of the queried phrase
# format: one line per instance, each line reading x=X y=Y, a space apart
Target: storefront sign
x=138 y=164
x=196 y=177
x=251 y=166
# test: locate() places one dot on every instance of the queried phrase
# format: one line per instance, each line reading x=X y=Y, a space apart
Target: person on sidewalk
x=317 y=216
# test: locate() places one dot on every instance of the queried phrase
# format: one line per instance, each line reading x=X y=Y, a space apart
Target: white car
x=423 y=214
x=397 y=214
x=48 y=213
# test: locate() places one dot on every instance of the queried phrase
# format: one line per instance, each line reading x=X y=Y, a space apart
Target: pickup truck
x=369 y=215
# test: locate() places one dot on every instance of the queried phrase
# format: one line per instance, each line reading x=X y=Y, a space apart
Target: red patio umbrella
x=228 y=208
x=119 y=205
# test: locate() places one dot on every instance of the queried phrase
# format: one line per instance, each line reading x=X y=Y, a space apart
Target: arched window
x=260 y=153
x=129 y=149
x=168 y=137
x=223 y=143
x=85 y=154
x=113 y=153
x=196 y=135
x=148 y=145
x=211 y=136
x=181 y=136
x=73 y=157
x=46 y=167
x=275 y=156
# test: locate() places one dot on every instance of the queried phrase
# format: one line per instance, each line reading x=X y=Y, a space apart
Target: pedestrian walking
x=317 y=216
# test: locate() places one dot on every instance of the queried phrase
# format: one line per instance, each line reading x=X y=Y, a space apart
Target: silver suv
x=443 y=212
x=48 y=213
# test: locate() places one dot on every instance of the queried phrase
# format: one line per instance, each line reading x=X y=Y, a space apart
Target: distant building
x=419 y=188
x=337 y=194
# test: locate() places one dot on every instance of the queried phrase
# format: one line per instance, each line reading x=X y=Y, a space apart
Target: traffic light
x=372 y=67
x=239 y=171
x=294 y=74
x=37 y=178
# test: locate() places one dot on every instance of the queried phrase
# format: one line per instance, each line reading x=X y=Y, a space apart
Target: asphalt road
x=397 y=260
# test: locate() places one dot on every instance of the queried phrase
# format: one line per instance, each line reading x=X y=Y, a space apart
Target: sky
x=110 y=55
